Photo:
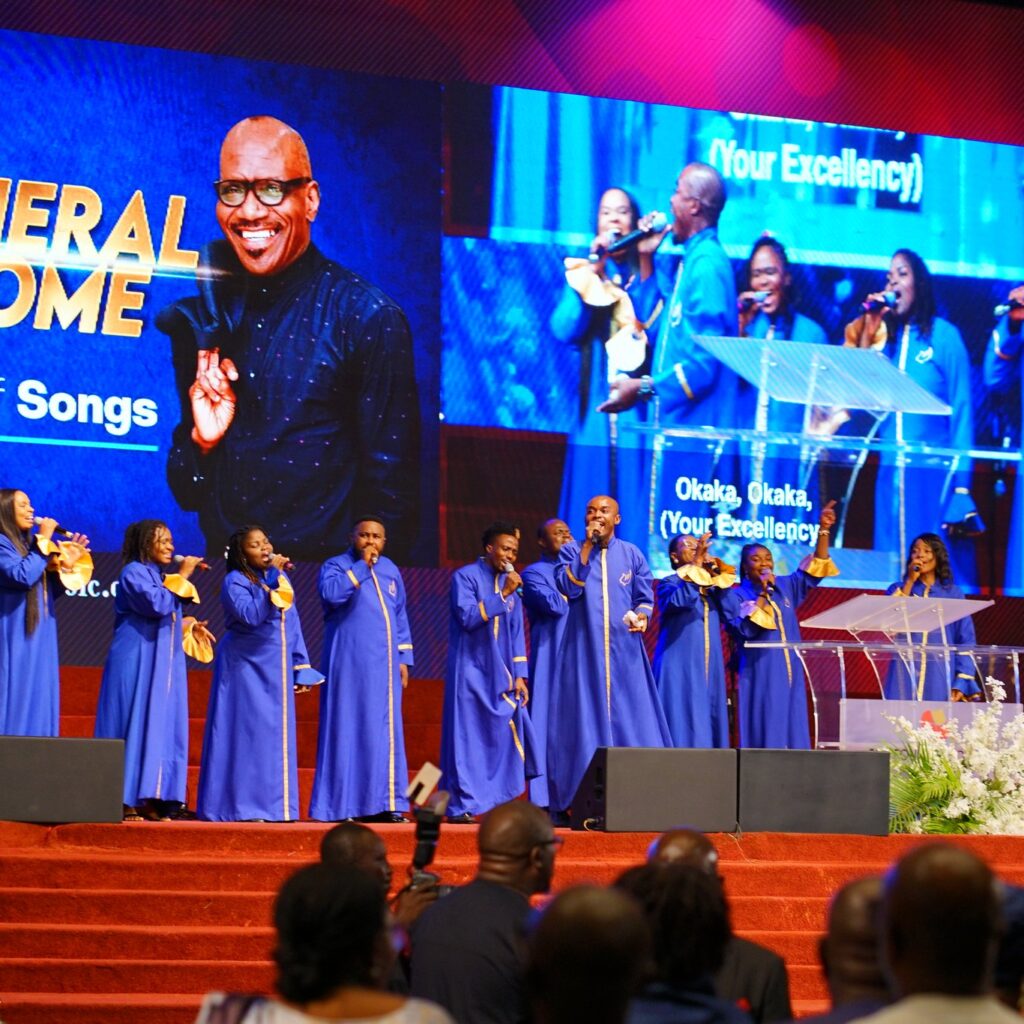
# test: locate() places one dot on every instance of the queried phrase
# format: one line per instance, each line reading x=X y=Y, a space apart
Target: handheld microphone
x=595 y=538
x=750 y=300
x=178 y=559
x=659 y=223
x=889 y=298
x=915 y=568
x=1004 y=307
x=38 y=520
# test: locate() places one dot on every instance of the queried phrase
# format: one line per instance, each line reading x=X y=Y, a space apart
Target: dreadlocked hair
x=138 y=540
x=20 y=539
x=235 y=555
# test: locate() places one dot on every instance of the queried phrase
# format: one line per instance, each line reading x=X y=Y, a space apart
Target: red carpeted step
x=126 y=942
x=151 y=976
x=60 y=1007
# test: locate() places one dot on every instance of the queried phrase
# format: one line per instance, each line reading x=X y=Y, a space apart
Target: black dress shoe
x=382 y=818
x=461 y=819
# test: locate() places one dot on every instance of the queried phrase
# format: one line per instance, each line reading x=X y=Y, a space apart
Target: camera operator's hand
x=412 y=901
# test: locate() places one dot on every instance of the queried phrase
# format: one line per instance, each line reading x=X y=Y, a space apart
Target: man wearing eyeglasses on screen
x=295 y=375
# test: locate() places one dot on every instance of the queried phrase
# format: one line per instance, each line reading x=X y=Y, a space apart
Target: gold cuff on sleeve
x=819 y=568
x=79 y=574
x=185 y=589
x=284 y=596
x=195 y=646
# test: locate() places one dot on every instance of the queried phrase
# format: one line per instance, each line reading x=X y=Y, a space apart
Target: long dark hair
x=138 y=540
x=234 y=553
x=922 y=313
x=19 y=538
x=630 y=256
x=329 y=921
x=943 y=570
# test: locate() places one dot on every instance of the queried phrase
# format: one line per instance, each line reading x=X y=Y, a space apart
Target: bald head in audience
x=941 y=911
x=685 y=846
x=517 y=847
x=587 y=957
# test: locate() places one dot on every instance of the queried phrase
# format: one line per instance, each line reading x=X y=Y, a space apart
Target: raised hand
x=213 y=399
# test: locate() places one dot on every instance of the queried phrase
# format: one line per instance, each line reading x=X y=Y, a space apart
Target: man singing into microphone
x=295 y=376
x=603 y=691
x=361 y=770
x=486 y=743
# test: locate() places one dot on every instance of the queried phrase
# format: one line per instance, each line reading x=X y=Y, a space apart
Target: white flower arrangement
x=951 y=779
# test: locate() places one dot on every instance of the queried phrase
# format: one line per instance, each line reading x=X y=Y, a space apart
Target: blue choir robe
x=908 y=499
x=29 y=667
x=776 y=465
x=772 y=686
x=1002 y=369
x=603 y=454
x=144 y=693
x=360 y=762
x=604 y=694
x=696 y=285
x=249 y=768
x=688 y=661
x=932 y=676
x=547 y=609
x=485 y=739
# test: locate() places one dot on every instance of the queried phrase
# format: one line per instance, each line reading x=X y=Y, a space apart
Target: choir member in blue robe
x=249 y=769
x=688 y=661
x=691 y=276
x=766 y=311
x=772 y=687
x=595 y=316
x=604 y=694
x=29 y=666
x=1003 y=375
x=908 y=499
x=361 y=770
x=485 y=742
x=918 y=676
x=144 y=693
x=547 y=609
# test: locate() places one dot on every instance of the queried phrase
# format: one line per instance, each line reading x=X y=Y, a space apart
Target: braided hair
x=234 y=553
x=138 y=540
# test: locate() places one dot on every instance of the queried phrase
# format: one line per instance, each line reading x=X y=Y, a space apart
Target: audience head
x=353 y=845
x=686 y=913
x=1009 y=978
x=517 y=847
x=587 y=956
x=941 y=918
x=331 y=933
x=850 y=949
x=685 y=846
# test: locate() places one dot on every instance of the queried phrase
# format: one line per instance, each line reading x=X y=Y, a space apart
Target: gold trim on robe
x=852 y=331
x=183 y=588
x=819 y=568
x=198 y=647
x=283 y=596
x=763 y=617
x=80 y=573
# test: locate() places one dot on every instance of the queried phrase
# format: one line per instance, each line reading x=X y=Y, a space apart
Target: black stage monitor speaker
x=842 y=791
x=645 y=789
x=60 y=780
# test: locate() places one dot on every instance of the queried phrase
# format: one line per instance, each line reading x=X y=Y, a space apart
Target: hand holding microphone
x=878 y=302
x=513 y=581
x=48 y=527
x=187 y=564
x=1014 y=306
x=767 y=582
x=281 y=562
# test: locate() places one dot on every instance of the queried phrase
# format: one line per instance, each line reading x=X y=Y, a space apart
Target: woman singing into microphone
x=144 y=693
x=596 y=317
x=249 y=769
x=772 y=690
x=909 y=499
x=922 y=676
x=29 y=567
